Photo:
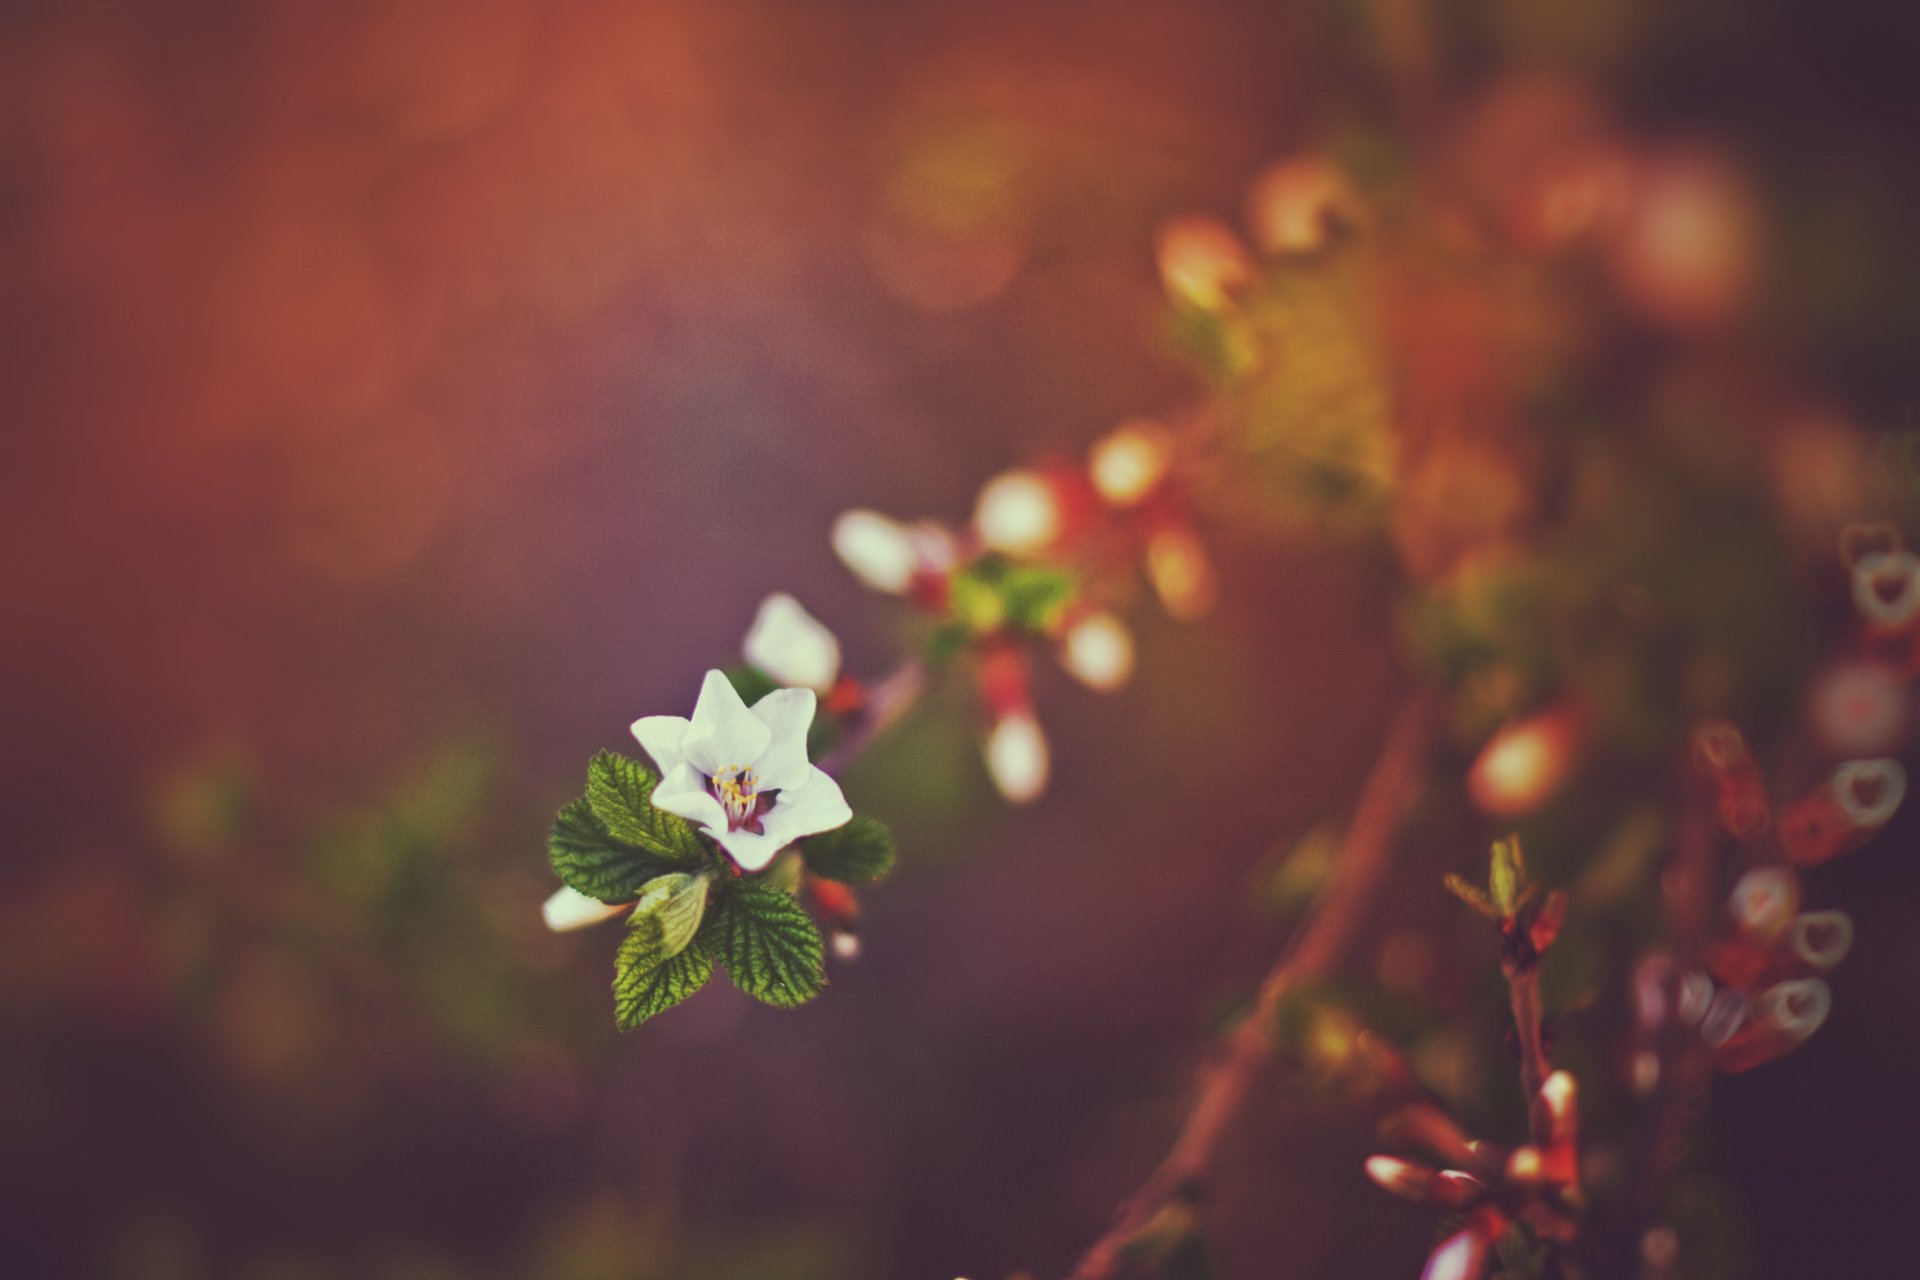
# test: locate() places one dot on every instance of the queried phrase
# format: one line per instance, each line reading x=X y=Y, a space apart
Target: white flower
x=743 y=774
x=792 y=645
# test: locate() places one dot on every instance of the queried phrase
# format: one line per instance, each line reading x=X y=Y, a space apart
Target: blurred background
x=403 y=397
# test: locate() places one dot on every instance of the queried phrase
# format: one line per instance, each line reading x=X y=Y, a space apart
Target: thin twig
x=1225 y=1081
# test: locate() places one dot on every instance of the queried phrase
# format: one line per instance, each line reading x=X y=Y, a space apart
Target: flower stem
x=1236 y=1059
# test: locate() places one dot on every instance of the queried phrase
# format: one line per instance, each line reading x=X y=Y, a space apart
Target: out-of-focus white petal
x=1017 y=513
x=1017 y=757
x=1798 y=1007
x=660 y=737
x=879 y=551
x=1097 y=650
x=788 y=714
x=684 y=792
x=723 y=732
x=570 y=909
x=792 y=645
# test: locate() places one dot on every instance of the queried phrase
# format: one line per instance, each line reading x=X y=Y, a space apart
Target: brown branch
x=1385 y=798
x=1523 y=986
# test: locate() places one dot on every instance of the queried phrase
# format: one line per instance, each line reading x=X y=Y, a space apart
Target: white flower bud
x=792 y=645
x=1097 y=650
x=1017 y=513
x=570 y=909
x=879 y=551
x=1017 y=757
x=1127 y=464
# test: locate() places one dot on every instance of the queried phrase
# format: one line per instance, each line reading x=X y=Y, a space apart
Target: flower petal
x=684 y=792
x=660 y=737
x=751 y=850
x=808 y=809
x=787 y=713
x=723 y=731
x=570 y=909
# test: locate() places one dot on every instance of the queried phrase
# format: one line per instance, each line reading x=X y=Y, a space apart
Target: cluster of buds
x=1045 y=547
x=1510 y=1202
x=1762 y=990
x=1506 y=1200
x=1297 y=207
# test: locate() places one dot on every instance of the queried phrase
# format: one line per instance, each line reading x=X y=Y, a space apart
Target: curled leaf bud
x=1406 y=1180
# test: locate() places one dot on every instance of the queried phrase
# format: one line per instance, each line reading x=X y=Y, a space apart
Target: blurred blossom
x=1688 y=250
x=1018 y=513
x=1097 y=650
x=570 y=909
x=879 y=551
x=1763 y=902
x=1129 y=463
x=1181 y=573
x=1460 y=1257
x=1298 y=204
x=1017 y=757
x=1202 y=262
x=1524 y=764
x=1859 y=709
x=1886 y=587
x=791 y=645
x=1870 y=791
x=1821 y=939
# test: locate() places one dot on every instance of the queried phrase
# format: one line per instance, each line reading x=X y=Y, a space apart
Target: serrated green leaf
x=590 y=860
x=674 y=902
x=769 y=944
x=648 y=981
x=620 y=792
x=861 y=850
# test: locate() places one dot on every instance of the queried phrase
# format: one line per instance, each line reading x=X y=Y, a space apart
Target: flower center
x=737 y=788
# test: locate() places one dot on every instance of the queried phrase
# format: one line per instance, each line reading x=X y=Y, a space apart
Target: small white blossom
x=792 y=645
x=742 y=773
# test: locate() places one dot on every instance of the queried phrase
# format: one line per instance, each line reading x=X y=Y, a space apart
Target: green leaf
x=769 y=944
x=648 y=980
x=1509 y=875
x=620 y=792
x=675 y=902
x=861 y=850
x=590 y=860
x=1473 y=896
